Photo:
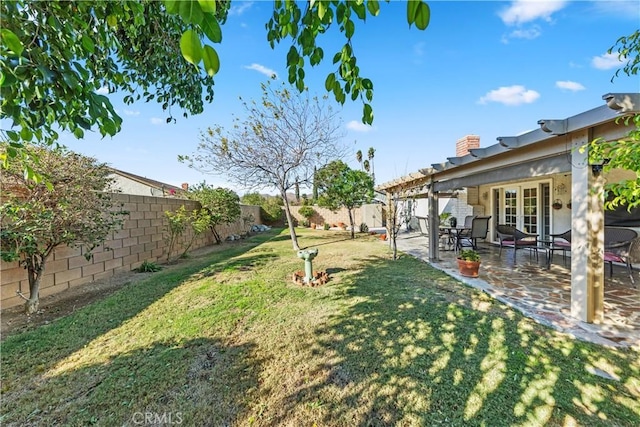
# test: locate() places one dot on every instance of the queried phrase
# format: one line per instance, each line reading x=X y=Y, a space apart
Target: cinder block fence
x=142 y=238
x=324 y=215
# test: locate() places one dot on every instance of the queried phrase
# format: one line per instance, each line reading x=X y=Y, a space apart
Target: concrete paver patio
x=544 y=294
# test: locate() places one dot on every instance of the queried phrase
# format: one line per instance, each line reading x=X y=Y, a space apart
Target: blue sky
x=486 y=68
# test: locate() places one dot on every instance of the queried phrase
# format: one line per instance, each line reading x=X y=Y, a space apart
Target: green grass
x=230 y=340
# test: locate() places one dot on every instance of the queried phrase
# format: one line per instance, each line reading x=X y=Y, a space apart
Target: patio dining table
x=454 y=234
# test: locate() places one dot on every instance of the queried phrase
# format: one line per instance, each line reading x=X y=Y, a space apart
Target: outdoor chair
x=465 y=232
x=560 y=242
x=479 y=230
x=511 y=237
x=468 y=221
x=621 y=245
x=423 y=225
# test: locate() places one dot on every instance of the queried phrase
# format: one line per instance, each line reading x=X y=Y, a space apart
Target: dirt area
x=52 y=307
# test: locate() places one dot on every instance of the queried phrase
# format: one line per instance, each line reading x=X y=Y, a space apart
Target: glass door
x=519 y=206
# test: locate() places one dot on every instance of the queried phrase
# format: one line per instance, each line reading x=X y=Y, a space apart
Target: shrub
x=306 y=211
x=327 y=226
x=364 y=227
x=148 y=267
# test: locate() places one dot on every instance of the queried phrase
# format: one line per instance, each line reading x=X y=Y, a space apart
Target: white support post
x=587 y=235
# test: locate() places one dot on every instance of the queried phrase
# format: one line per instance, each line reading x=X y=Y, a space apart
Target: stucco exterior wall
x=142 y=238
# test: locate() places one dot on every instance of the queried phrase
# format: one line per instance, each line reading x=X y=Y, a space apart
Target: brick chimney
x=464 y=144
x=185 y=186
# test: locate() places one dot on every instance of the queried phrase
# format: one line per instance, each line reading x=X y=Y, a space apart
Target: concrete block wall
x=324 y=215
x=141 y=238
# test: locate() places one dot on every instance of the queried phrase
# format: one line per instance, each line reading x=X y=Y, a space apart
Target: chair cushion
x=527 y=242
x=611 y=257
x=563 y=244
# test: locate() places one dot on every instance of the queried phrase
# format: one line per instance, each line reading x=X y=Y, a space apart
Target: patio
x=544 y=294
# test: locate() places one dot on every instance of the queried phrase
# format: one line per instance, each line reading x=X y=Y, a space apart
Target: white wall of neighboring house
x=129 y=186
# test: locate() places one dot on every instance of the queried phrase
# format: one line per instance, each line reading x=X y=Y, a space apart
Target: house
x=540 y=182
x=129 y=183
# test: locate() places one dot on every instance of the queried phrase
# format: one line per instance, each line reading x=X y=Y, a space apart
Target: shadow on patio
x=544 y=294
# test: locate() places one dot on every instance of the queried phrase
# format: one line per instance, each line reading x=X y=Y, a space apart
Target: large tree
x=73 y=208
x=221 y=204
x=54 y=56
x=340 y=186
x=280 y=141
x=57 y=55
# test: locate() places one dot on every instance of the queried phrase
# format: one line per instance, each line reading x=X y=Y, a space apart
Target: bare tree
x=282 y=138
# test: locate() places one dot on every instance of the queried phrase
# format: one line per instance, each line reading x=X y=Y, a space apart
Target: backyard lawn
x=229 y=339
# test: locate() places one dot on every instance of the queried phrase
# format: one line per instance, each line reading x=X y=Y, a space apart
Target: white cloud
x=239 y=10
x=523 y=11
x=606 y=61
x=510 y=95
x=569 y=85
x=529 y=34
x=103 y=90
x=357 y=126
x=618 y=8
x=131 y=112
x=418 y=48
x=262 y=69
x=157 y=121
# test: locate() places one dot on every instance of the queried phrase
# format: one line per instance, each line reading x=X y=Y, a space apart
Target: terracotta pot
x=468 y=268
x=383 y=237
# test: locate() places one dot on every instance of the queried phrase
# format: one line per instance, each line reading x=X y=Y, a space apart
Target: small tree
x=282 y=138
x=222 y=205
x=624 y=153
x=307 y=212
x=270 y=206
x=620 y=154
x=73 y=208
x=199 y=221
x=177 y=223
x=340 y=186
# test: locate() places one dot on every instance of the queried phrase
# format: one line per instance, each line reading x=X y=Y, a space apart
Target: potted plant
x=468 y=262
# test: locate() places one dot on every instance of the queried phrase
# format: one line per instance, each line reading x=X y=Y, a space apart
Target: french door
x=524 y=206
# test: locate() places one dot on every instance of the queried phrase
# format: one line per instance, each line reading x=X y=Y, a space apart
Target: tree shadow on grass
x=198 y=382
x=423 y=349
x=25 y=354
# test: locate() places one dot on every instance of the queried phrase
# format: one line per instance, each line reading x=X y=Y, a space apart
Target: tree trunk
x=34 y=272
x=216 y=235
x=392 y=228
x=292 y=230
x=353 y=228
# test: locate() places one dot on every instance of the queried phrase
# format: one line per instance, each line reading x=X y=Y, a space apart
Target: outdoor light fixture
x=596 y=168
